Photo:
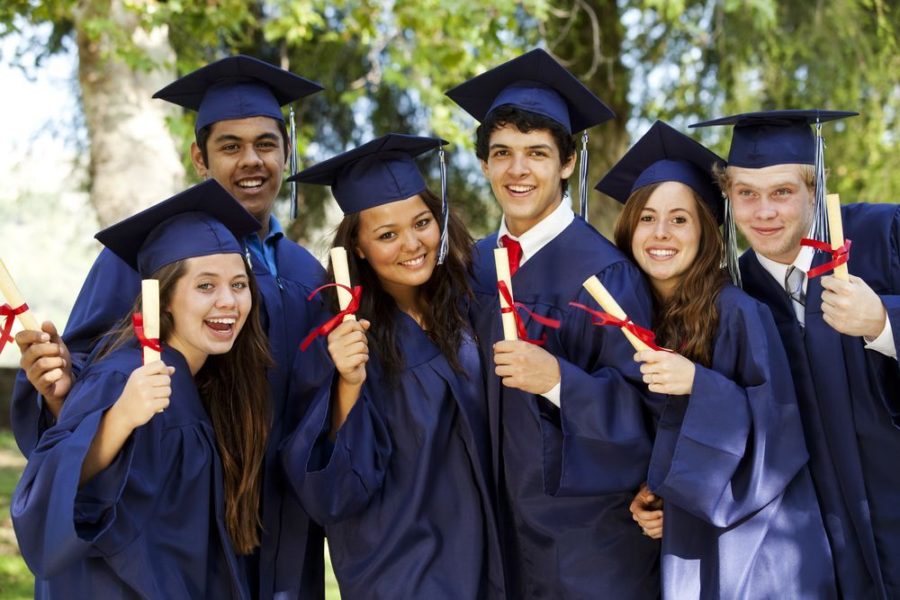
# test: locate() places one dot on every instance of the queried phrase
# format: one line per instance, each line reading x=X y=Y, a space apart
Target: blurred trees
x=385 y=67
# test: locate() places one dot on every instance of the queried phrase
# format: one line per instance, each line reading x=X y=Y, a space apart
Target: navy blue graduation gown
x=403 y=491
x=741 y=515
x=585 y=546
x=850 y=405
x=151 y=525
x=289 y=562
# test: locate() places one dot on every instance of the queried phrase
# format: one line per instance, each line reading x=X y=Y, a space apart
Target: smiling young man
x=241 y=142
x=540 y=397
x=841 y=337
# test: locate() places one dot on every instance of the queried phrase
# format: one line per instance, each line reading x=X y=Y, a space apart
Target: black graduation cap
x=664 y=154
x=200 y=221
x=237 y=87
x=774 y=137
x=534 y=82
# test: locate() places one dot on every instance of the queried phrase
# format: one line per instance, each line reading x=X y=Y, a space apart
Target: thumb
x=49 y=328
x=365 y=324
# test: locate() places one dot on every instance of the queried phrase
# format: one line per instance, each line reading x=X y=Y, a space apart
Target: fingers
x=25 y=339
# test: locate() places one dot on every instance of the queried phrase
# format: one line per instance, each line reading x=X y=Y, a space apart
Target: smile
x=249 y=183
x=414 y=262
x=221 y=324
x=662 y=253
x=521 y=189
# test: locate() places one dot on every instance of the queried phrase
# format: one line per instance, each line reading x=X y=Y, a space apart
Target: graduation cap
x=664 y=154
x=778 y=137
x=378 y=172
x=200 y=221
x=239 y=87
x=535 y=82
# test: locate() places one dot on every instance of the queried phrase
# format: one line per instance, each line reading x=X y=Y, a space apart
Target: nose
x=227 y=297
x=250 y=157
x=766 y=210
x=411 y=241
x=661 y=230
x=519 y=165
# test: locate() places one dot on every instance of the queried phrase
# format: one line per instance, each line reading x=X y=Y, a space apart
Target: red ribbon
x=10 y=313
x=839 y=255
x=329 y=325
x=602 y=318
x=137 y=321
x=520 y=326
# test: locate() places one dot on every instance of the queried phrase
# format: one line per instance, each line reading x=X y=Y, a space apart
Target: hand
x=646 y=510
x=47 y=364
x=146 y=393
x=666 y=372
x=525 y=366
x=852 y=307
x=349 y=349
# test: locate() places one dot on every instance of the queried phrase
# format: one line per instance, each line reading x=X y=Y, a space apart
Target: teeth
x=414 y=261
x=520 y=189
x=247 y=183
x=228 y=321
x=661 y=253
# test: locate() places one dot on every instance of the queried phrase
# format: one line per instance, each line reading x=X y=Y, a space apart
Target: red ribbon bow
x=602 y=318
x=520 y=326
x=329 y=325
x=839 y=255
x=137 y=321
x=9 y=313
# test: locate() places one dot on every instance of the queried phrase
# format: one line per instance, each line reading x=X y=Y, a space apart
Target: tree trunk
x=587 y=35
x=135 y=160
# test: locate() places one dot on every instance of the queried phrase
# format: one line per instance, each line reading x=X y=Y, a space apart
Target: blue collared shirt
x=264 y=250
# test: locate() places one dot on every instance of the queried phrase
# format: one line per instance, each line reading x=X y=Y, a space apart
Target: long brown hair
x=446 y=293
x=686 y=321
x=234 y=389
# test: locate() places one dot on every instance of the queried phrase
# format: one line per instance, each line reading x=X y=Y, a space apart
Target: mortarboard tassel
x=582 y=176
x=731 y=249
x=445 y=211
x=819 y=230
x=293 y=163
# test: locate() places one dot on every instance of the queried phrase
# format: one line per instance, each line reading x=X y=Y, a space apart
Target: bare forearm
x=108 y=442
x=343 y=401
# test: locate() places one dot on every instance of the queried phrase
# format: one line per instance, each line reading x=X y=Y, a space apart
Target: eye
x=205 y=286
x=744 y=192
x=387 y=235
x=240 y=285
x=500 y=152
x=230 y=148
x=784 y=191
x=267 y=145
x=423 y=223
x=539 y=153
x=679 y=220
x=646 y=218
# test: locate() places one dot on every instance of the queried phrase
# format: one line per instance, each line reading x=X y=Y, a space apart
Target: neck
x=194 y=360
x=263 y=231
x=408 y=300
x=519 y=227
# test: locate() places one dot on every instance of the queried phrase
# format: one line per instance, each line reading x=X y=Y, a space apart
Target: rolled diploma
x=14 y=298
x=609 y=305
x=836 y=225
x=150 y=313
x=342 y=276
x=501 y=260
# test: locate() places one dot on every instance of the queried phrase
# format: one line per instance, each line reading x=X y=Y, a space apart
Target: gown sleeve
x=736 y=442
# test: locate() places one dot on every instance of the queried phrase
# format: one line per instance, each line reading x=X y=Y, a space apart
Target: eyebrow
x=746 y=183
x=416 y=218
x=217 y=275
x=230 y=137
x=533 y=147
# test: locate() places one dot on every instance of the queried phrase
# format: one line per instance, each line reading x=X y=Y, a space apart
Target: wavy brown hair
x=687 y=321
x=446 y=294
x=234 y=389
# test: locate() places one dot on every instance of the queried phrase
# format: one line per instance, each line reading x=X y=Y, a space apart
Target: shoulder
x=739 y=309
x=297 y=263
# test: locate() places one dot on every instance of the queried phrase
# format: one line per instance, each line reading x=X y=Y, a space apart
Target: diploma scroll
x=836 y=226
x=609 y=305
x=150 y=314
x=15 y=300
x=501 y=260
x=342 y=276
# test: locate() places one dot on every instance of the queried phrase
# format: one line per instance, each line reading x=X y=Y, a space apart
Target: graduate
x=149 y=483
x=541 y=398
x=841 y=337
x=393 y=458
x=729 y=458
x=243 y=143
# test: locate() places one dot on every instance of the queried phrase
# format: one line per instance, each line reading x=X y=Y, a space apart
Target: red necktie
x=514 y=249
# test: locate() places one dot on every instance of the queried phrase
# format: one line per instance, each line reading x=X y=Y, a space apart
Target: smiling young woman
x=397 y=446
x=159 y=464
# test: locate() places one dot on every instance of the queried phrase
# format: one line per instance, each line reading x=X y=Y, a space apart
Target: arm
x=348 y=347
x=146 y=393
